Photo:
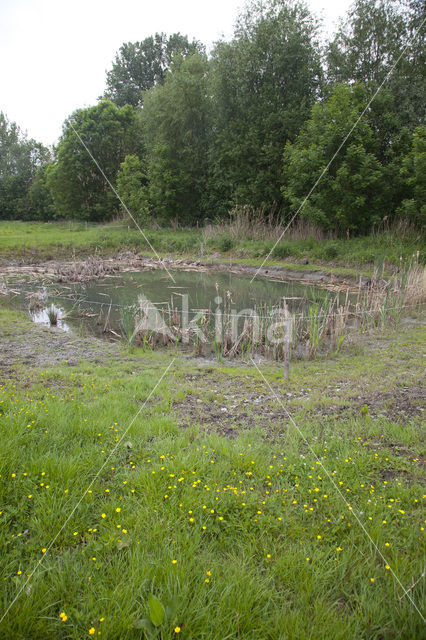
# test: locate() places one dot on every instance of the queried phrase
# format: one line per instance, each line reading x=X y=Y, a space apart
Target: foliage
x=78 y=187
x=132 y=184
x=40 y=197
x=20 y=160
x=414 y=172
x=264 y=83
x=188 y=139
x=363 y=183
x=175 y=117
x=139 y=66
x=383 y=40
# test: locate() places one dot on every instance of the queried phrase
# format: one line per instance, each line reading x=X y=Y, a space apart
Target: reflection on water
x=41 y=316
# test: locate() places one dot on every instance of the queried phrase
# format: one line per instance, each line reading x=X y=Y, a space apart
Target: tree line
x=185 y=136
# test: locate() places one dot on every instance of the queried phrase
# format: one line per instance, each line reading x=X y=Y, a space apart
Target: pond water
x=88 y=304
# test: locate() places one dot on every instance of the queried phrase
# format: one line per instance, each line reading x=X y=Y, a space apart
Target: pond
x=205 y=311
x=192 y=290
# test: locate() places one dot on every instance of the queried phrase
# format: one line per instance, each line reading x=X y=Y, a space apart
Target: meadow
x=152 y=495
x=243 y=240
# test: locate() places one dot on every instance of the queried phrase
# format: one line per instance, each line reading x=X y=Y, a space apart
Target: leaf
x=156 y=611
x=143 y=623
x=147 y=626
x=171 y=607
x=123 y=544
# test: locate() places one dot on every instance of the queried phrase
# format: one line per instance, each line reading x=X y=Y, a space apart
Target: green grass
x=245 y=538
x=43 y=240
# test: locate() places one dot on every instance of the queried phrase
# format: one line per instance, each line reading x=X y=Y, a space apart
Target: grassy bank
x=214 y=517
x=43 y=240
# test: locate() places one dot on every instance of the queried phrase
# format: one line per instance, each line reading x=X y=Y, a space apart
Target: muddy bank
x=95 y=267
x=37 y=346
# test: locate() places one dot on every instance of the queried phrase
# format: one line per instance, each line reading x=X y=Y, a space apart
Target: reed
x=53 y=316
x=275 y=331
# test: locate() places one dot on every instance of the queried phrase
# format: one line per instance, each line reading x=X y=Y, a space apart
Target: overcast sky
x=54 y=53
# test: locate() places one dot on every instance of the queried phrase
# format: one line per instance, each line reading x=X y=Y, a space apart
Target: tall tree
x=110 y=133
x=264 y=83
x=20 y=158
x=176 y=117
x=381 y=37
x=139 y=66
x=414 y=173
x=364 y=182
x=132 y=187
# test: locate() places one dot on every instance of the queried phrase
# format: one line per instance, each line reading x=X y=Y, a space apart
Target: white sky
x=54 y=53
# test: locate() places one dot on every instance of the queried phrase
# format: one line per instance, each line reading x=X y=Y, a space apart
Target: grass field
x=43 y=240
x=214 y=518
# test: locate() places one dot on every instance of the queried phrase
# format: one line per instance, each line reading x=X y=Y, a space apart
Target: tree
x=78 y=188
x=132 y=187
x=176 y=117
x=139 y=66
x=20 y=158
x=264 y=83
x=40 y=198
x=364 y=182
x=414 y=172
x=368 y=46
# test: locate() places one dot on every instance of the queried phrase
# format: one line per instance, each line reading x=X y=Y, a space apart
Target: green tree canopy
x=363 y=183
x=414 y=172
x=20 y=158
x=110 y=133
x=132 y=187
x=176 y=117
x=376 y=37
x=264 y=83
x=139 y=66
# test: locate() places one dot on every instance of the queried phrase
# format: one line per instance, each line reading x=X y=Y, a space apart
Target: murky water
x=87 y=305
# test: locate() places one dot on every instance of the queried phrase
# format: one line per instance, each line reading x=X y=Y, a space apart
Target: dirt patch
x=40 y=346
x=231 y=406
x=400 y=405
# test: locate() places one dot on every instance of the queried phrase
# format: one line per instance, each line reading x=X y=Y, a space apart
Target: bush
x=225 y=244
x=329 y=251
x=282 y=250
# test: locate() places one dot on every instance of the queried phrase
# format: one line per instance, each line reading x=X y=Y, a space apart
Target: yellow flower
x=43 y=550
x=177 y=629
x=63 y=616
x=19 y=573
x=103 y=515
x=207 y=580
x=387 y=567
x=209 y=573
x=174 y=561
x=268 y=555
x=372 y=579
x=92 y=631
x=118 y=509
